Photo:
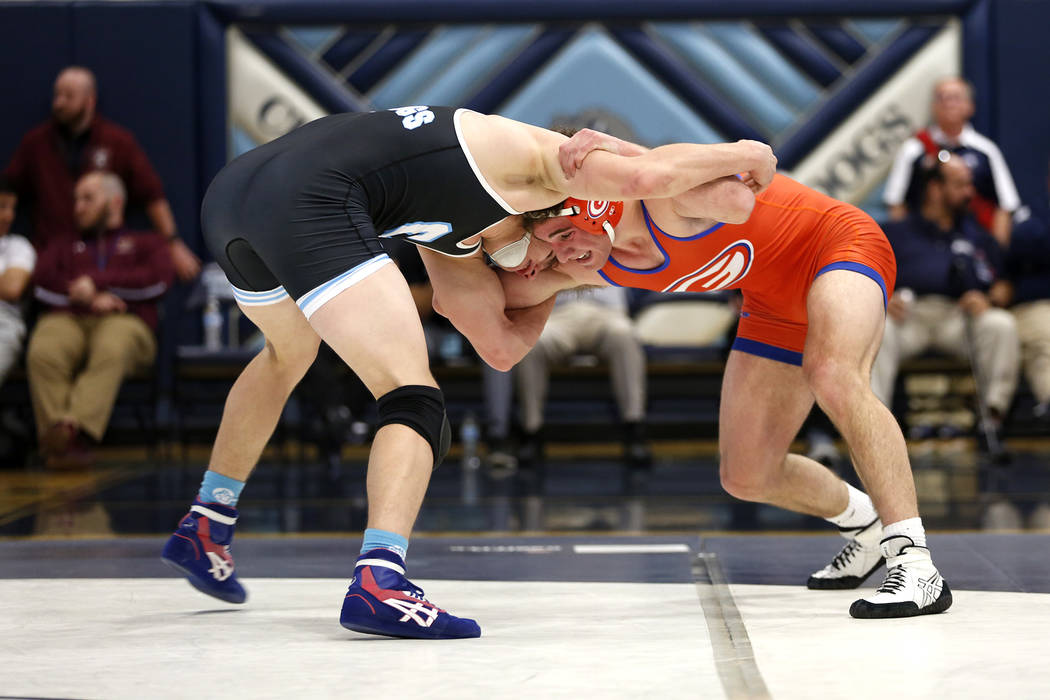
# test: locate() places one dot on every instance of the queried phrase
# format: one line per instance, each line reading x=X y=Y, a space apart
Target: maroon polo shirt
x=133 y=265
x=41 y=170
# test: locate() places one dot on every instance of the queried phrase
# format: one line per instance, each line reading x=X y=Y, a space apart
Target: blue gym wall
x=162 y=73
x=151 y=75
x=1020 y=99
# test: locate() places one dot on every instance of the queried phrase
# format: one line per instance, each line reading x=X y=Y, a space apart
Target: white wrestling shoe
x=855 y=563
x=913 y=586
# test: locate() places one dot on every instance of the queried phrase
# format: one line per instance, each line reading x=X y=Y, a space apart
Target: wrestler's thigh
x=846 y=318
x=286 y=330
x=374 y=327
x=764 y=403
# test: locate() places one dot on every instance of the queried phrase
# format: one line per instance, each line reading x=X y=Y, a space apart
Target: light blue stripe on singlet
x=246 y=297
x=320 y=289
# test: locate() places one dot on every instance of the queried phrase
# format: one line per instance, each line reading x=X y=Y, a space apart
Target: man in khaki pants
x=1028 y=265
x=101 y=294
x=948 y=274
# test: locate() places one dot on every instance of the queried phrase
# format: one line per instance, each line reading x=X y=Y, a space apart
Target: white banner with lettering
x=856 y=157
x=263 y=101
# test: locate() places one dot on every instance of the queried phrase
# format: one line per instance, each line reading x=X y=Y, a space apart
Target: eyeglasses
x=513 y=254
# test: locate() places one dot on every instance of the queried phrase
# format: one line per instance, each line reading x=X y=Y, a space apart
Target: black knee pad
x=421 y=408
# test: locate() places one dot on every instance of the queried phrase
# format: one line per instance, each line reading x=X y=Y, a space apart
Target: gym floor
x=588 y=581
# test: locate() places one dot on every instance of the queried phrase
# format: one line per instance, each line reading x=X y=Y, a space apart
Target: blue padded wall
x=144 y=56
x=35 y=43
x=1021 y=99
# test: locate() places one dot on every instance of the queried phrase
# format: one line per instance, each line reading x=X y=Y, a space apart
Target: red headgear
x=594 y=216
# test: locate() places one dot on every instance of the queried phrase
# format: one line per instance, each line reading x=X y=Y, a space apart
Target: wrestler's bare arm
x=726 y=199
x=520 y=292
x=522 y=163
x=470 y=295
x=663 y=172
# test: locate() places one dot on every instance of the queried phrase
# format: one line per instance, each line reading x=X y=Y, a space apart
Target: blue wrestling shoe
x=382 y=601
x=200 y=551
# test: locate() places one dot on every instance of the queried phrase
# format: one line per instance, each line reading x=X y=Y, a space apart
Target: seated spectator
x=76 y=140
x=995 y=197
x=17 y=259
x=497 y=390
x=100 y=295
x=588 y=321
x=947 y=266
x=1028 y=268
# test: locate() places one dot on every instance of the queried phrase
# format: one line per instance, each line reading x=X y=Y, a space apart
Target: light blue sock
x=216 y=488
x=385 y=539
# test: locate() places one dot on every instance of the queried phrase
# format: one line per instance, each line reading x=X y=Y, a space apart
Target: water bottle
x=212 y=321
x=469 y=435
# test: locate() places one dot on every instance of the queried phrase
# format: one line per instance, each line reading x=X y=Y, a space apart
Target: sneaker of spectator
x=501 y=458
x=822 y=448
x=636 y=449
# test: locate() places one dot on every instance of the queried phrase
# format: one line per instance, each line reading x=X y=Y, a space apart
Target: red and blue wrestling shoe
x=200 y=551
x=382 y=601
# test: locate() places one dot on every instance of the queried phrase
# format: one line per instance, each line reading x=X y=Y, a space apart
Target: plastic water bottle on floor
x=469 y=436
x=212 y=321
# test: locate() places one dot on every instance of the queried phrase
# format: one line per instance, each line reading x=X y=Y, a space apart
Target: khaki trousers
x=1033 y=325
x=938 y=322
x=582 y=326
x=76 y=365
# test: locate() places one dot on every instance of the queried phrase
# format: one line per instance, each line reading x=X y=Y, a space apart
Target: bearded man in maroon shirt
x=53 y=155
x=99 y=294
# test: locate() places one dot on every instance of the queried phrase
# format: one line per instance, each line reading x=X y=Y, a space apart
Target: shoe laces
x=843 y=558
x=417 y=593
x=895 y=581
x=413 y=590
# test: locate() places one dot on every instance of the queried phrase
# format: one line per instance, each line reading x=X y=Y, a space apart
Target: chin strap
x=597 y=217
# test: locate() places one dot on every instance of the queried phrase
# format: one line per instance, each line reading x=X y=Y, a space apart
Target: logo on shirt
x=721 y=272
x=100 y=158
x=429 y=234
x=414 y=116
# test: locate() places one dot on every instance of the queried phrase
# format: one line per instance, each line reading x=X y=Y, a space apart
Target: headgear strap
x=593 y=216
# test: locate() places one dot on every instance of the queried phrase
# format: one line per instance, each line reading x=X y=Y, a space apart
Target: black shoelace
x=843 y=558
x=895 y=580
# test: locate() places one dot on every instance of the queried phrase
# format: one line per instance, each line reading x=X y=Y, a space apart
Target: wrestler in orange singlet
x=793 y=235
x=816 y=274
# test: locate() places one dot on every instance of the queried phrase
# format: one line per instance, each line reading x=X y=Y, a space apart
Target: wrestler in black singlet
x=307 y=208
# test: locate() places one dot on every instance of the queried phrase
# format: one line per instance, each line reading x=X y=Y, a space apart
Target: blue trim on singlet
x=857 y=267
x=650 y=225
x=667 y=258
x=770 y=352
